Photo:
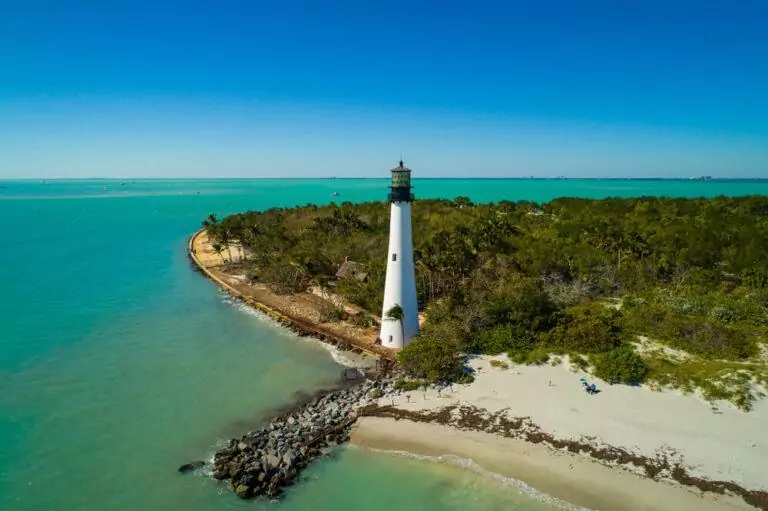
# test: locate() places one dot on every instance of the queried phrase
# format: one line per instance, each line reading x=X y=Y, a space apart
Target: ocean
x=118 y=362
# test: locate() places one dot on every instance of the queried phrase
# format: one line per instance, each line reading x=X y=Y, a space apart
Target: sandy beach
x=727 y=446
x=567 y=477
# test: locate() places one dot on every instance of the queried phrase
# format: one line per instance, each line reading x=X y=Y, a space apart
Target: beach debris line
x=266 y=461
x=664 y=465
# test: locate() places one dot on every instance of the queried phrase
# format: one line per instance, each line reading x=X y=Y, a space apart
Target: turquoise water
x=118 y=362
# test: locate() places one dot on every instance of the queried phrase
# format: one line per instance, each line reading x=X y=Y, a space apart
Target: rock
x=264 y=462
x=243 y=491
x=192 y=465
x=272 y=460
x=234 y=470
x=220 y=472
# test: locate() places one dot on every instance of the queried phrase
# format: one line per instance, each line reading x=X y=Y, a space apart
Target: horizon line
x=476 y=178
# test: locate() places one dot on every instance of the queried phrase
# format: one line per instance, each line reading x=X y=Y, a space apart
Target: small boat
x=335 y=194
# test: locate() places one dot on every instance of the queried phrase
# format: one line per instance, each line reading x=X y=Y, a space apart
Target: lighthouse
x=400 y=314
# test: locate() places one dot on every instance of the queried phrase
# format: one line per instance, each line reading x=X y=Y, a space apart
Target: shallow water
x=118 y=362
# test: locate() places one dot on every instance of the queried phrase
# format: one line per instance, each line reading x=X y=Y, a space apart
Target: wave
x=469 y=464
x=341 y=357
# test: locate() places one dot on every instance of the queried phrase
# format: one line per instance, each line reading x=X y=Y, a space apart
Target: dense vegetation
x=572 y=276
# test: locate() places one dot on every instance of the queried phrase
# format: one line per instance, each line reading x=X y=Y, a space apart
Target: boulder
x=243 y=491
x=192 y=465
x=234 y=470
x=272 y=460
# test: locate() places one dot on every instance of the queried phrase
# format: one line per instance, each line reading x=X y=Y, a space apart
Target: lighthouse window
x=394 y=257
x=390 y=339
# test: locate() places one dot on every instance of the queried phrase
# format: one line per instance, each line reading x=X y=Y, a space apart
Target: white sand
x=732 y=445
x=575 y=479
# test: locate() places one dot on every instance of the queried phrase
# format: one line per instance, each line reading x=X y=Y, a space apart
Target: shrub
x=589 y=328
x=362 y=319
x=433 y=354
x=535 y=357
x=500 y=364
x=580 y=362
x=403 y=384
x=699 y=335
x=464 y=379
x=722 y=314
x=375 y=393
x=283 y=279
x=334 y=314
x=499 y=340
x=621 y=365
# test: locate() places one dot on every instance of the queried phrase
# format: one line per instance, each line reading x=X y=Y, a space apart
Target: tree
x=247 y=241
x=225 y=238
x=590 y=328
x=396 y=313
x=210 y=222
x=218 y=250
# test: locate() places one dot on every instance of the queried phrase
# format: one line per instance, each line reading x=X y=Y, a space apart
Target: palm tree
x=210 y=222
x=247 y=242
x=398 y=314
x=219 y=250
x=301 y=270
x=225 y=236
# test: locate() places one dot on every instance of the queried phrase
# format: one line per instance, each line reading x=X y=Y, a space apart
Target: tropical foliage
x=574 y=276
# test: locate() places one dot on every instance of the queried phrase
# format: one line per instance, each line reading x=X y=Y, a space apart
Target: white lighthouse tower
x=400 y=314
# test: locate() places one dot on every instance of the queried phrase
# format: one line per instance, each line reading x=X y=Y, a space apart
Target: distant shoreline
x=423 y=178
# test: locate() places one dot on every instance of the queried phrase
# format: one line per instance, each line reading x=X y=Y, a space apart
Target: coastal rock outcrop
x=191 y=466
x=265 y=461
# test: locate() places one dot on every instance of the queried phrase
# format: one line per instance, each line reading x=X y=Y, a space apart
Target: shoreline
x=629 y=430
x=562 y=479
x=301 y=326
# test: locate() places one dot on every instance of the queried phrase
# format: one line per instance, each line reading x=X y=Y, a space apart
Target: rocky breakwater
x=266 y=461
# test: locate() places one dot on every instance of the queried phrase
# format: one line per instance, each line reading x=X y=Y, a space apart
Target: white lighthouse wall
x=400 y=286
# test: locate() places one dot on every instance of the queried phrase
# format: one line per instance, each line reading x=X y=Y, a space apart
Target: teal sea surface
x=118 y=362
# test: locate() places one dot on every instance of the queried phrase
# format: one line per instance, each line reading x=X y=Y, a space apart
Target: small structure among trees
x=350 y=270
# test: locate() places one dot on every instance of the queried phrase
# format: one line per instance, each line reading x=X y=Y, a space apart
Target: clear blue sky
x=286 y=88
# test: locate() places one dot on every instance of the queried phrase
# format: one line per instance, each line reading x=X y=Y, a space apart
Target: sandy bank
x=730 y=445
x=572 y=478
